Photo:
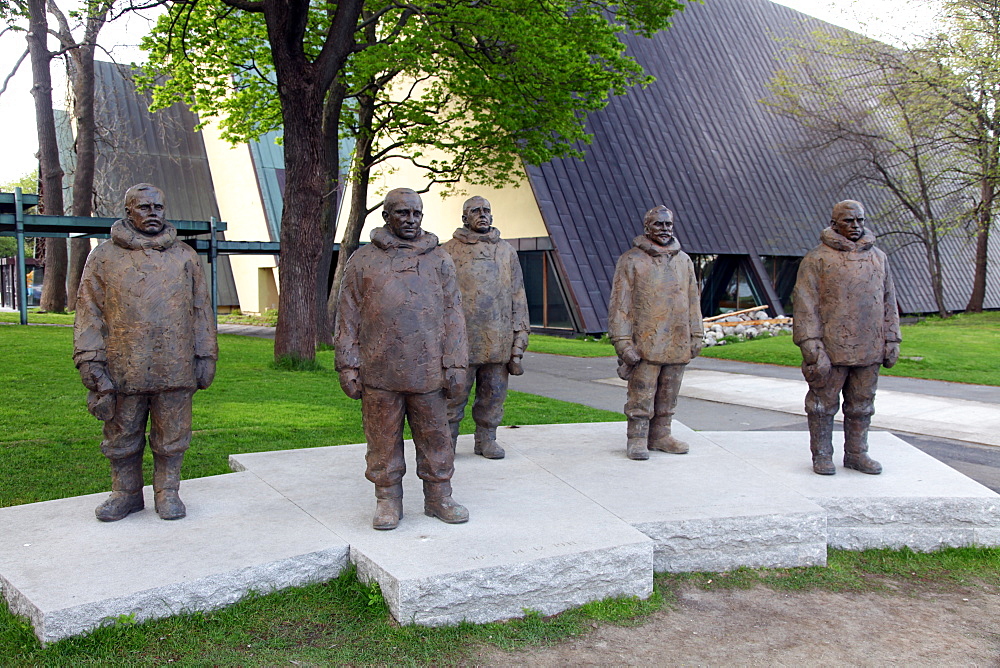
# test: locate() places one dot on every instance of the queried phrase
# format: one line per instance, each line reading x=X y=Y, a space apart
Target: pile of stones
x=744 y=326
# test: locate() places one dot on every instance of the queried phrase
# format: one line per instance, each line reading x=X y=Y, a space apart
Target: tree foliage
x=464 y=90
x=874 y=126
x=942 y=91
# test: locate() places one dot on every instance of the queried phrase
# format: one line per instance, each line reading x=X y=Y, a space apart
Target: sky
x=882 y=19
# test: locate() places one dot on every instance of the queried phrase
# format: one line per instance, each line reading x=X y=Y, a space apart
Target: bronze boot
x=486 y=443
x=166 y=484
x=637 y=432
x=661 y=439
x=438 y=503
x=821 y=444
x=388 y=507
x=856 y=446
x=126 y=490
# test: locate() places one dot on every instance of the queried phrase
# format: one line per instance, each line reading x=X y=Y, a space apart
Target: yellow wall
x=236 y=192
x=515 y=212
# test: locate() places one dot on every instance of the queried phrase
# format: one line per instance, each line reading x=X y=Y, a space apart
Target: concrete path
x=957 y=423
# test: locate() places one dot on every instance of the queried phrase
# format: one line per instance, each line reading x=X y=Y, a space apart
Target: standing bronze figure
x=496 y=321
x=654 y=321
x=846 y=325
x=401 y=349
x=144 y=341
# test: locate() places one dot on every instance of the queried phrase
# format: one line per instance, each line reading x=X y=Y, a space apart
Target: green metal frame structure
x=15 y=223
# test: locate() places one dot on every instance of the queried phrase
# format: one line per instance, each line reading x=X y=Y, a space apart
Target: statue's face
x=660 y=230
x=477 y=215
x=145 y=212
x=404 y=214
x=849 y=222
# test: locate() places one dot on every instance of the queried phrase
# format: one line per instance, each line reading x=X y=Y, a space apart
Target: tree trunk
x=302 y=225
x=54 y=282
x=937 y=273
x=331 y=204
x=81 y=71
x=359 y=199
x=302 y=89
x=983 y=219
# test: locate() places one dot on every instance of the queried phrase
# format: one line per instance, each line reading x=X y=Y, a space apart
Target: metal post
x=22 y=274
x=213 y=253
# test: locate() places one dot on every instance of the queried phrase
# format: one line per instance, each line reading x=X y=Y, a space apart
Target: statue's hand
x=204 y=371
x=630 y=356
x=696 y=346
x=514 y=367
x=95 y=377
x=350 y=382
x=454 y=382
x=891 y=355
x=817 y=373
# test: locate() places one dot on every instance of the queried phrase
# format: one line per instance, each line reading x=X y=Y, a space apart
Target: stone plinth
x=917 y=501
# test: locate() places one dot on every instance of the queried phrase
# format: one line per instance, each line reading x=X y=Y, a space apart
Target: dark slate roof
x=699 y=141
x=162 y=148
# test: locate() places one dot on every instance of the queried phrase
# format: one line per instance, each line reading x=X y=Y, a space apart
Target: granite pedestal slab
x=69 y=573
x=532 y=541
x=917 y=501
x=707 y=510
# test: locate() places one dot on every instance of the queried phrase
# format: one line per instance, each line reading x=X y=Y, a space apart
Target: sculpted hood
x=467 y=236
x=386 y=240
x=643 y=243
x=837 y=241
x=124 y=234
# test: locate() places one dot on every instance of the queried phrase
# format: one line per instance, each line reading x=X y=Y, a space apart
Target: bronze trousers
x=383 y=413
x=653 y=389
x=491 y=392
x=858 y=383
x=169 y=416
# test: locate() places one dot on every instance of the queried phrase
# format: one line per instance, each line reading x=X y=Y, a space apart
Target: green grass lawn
x=49 y=449
x=964 y=348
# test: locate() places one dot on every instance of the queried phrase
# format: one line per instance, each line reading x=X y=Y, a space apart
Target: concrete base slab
x=917 y=501
x=532 y=542
x=705 y=511
x=69 y=573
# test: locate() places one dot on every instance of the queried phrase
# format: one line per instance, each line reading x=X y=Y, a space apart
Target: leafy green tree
x=485 y=85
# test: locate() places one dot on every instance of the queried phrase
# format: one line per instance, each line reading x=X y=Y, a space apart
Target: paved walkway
x=957 y=423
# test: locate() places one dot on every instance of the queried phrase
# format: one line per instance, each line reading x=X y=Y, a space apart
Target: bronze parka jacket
x=496 y=309
x=844 y=297
x=144 y=309
x=399 y=318
x=655 y=303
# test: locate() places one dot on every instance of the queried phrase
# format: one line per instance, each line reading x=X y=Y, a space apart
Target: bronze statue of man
x=654 y=321
x=401 y=349
x=496 y=321
x=846 y=325
x=144 y=341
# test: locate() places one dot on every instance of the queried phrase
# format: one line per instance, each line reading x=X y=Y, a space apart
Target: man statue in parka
x=144 y=341
x=401 y=349
x=496 y=321
x=846 y=325
x=654 y=321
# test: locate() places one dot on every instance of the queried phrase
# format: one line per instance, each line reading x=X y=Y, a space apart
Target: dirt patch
x=919 y=626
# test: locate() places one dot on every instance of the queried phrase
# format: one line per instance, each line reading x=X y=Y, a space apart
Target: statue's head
x=402 y=211
x=477 y=215
x=144 y=208
x=659 y=225
x=848 y=219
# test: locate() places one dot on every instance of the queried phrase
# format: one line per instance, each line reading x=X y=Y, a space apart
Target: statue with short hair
x=144 y=342
x=496 y=321
x=654 y=322
x=846 y=324
x=401 y=349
